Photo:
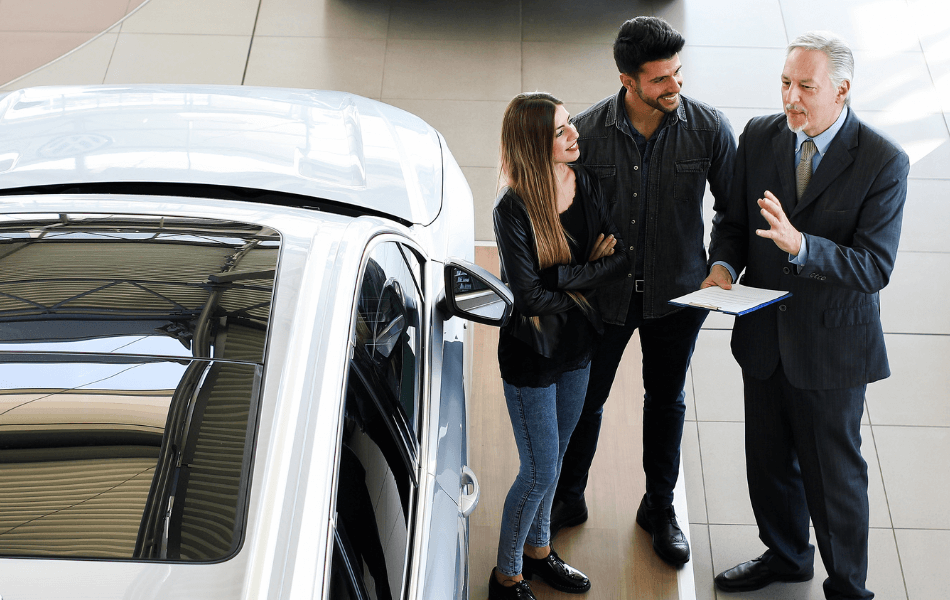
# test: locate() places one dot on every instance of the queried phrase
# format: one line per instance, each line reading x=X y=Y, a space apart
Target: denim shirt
x=694 y=144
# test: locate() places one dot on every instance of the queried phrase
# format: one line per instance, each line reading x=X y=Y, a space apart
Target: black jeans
x=667 y=344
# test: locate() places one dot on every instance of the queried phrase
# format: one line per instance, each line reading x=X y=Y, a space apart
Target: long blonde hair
x=527 y=166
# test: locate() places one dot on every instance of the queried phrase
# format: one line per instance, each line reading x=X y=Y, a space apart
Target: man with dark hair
x=816 y=209
x=653 y=150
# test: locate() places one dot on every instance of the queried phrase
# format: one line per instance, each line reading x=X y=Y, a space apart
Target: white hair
x=840 y=59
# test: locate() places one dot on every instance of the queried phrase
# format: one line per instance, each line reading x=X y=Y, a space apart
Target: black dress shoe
x=567 y=514
x=556 y=573
x=518 y=591
x=755 y=575
x=669 y=543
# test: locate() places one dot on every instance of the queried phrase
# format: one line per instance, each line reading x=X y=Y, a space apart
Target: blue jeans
x=667 y=345
x=542 y=420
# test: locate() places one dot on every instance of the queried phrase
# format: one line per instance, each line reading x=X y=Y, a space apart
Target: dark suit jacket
x=828 y=335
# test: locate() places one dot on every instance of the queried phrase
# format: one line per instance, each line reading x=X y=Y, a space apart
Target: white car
x=229 y=365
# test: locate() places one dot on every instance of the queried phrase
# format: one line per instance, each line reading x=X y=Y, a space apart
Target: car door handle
x=469 y=499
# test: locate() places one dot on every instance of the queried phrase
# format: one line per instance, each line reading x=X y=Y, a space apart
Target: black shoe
x=518 y=591
x=669 y=543
x=755 y=575
x=556 y=573
x=567 y=514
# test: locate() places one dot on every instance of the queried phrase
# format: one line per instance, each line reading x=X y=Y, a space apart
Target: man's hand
x=780 y=229
x=719 y=276
x=603 y=246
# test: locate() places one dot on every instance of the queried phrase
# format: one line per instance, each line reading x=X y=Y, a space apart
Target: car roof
x=329 y=146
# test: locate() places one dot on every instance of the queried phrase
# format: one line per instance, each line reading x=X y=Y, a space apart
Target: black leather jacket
x=521 y=271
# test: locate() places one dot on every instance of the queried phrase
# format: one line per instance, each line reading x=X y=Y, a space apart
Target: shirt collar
x=823 y=139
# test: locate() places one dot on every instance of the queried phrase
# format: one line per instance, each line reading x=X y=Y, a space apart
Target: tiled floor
x=456 y=64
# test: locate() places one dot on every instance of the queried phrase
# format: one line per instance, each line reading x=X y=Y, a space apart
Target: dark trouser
x=667 y=344
x=803 y=458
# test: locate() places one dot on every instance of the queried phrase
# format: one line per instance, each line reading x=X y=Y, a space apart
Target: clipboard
x=738 y=301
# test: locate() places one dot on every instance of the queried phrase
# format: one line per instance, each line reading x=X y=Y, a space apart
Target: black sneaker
x=669 y=543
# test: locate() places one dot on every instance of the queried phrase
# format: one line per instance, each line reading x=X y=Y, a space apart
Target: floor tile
x=693 y=473
x=86 y=65
x=581 y=73
x=885 y=577
x=930 y=20
x=690 y=396
x=155 y=58
x=447 y=70
x=717 y=378
x=915 y=300
x=470 y=127
x=908 y=88
x=561 y=20
x=25 y=51
x=456 y=20
x=714 y=22
x=739 y=117
x=916 y=391
x=221 y=17
x=928 y=202
x=925 y=558
x=727 y=492
x=701 y=561
x=354 y=66
x=719 y=321
x=862 y=23
x=90 y=16
x=757 y=87
x=915 y=462
x=877 y=499
x=923 y=137
x=484 y=184
x=352 y=19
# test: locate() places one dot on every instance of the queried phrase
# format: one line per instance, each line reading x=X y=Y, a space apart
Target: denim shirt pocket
x=607 y=176
x=689 y=183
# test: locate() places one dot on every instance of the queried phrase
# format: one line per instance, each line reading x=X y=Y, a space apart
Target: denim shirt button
x=636 y=167
x=633 y=221
x=634 y=194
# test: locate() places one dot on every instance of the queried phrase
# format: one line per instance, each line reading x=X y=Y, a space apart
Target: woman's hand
x=604 y=246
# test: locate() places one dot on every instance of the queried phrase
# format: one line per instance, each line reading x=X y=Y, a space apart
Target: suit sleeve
x=866 y=262
x=516 y=252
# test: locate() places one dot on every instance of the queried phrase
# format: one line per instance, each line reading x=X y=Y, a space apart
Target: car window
x=131 y=357
x=378 y=470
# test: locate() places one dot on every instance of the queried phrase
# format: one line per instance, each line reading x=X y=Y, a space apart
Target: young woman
x=556 y=244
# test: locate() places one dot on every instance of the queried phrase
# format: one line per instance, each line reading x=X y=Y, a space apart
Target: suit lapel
x=783 y=150
x=833 y=163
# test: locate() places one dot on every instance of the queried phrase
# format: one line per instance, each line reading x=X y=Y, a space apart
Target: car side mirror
x=473 y=293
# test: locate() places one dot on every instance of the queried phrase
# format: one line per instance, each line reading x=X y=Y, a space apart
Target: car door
x=379 y=466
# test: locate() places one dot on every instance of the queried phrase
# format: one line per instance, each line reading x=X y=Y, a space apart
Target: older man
x=816 y=209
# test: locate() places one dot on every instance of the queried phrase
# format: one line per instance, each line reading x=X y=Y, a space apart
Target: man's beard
x=788 y=118
x=654 y=102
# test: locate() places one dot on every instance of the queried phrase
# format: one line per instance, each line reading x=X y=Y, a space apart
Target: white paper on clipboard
x=737 y=301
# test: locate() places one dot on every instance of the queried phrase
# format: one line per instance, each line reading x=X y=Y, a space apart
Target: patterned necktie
x=803 y=172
